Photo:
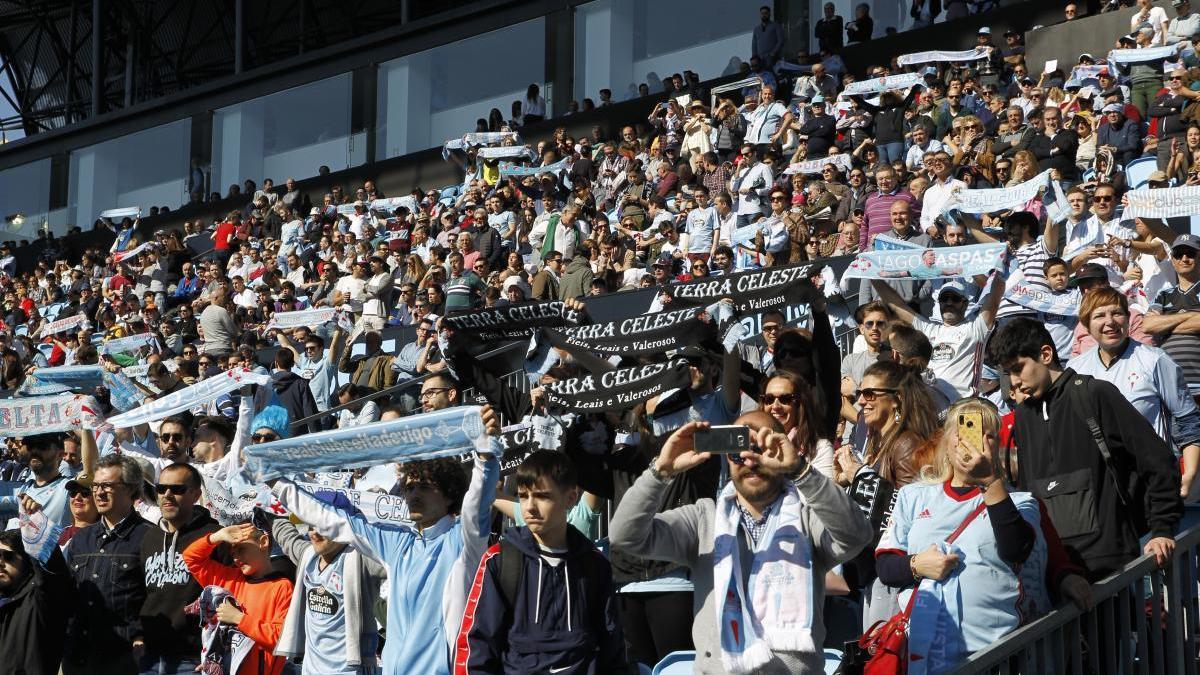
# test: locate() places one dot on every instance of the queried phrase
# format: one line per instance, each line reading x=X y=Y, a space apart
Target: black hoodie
x=170 y=587
x=1059 y=462
x=294 y=394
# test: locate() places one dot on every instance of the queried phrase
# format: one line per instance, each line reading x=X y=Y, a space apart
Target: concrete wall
x=1095 y=35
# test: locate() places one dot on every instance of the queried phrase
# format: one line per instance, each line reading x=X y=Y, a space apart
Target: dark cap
x=75 y=484
x=1091 y=271
x=1187 y=241
x=665 y=260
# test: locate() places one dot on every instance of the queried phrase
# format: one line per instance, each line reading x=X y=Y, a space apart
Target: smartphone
x=725 y=438
x=970 y=429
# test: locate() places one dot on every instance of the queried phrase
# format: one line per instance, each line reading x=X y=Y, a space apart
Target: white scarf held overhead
x=773 y=610
x=936 y=56
x=839 y=161
x=1162 y=203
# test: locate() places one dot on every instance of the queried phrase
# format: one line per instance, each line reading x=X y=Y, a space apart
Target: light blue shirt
x=1152 y=382
x=702 y=226
x=319 y=373
x=325 y=620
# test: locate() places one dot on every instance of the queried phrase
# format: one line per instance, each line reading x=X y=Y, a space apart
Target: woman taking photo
x=788 y=398
x=991 y=578
x=1152 y=382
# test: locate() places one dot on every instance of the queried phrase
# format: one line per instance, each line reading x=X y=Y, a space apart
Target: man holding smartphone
x=775 y=507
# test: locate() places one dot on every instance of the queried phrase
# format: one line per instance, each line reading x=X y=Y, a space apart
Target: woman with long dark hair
x=534 y=105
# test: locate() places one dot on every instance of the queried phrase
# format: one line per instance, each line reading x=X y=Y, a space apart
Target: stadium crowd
x=760 y=483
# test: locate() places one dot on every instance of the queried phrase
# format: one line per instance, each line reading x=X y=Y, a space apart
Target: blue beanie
x=273 y=417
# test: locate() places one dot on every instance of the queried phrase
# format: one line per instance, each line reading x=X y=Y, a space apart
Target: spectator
x=173 y=639
x=105 y=634
x=586 y=634
x=37 y=600
x=828 y=29
x=1168 y=319
x=964 y=480
x=261 y=595
x=722 y=540
x=768 y=39
x=1052 y=416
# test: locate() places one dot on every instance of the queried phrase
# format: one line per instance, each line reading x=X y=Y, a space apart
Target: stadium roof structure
x=154 y=48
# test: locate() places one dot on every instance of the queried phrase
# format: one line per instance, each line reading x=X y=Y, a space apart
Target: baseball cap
x=664 y=260
x=985 y=30
x=1176 y=3
x=1187 y=241
x=818 y=99
x=1011 y=31
x=1127 y=38
x=928 y=71
x=314 y=211
x=1112 y=107
x=1086 y=57
x=1091 y=271
x=955 y=287
x=74 y=485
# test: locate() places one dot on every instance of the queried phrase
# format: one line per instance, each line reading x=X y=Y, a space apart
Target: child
x=1061 y=326
x=264 y=593
x=542 y=600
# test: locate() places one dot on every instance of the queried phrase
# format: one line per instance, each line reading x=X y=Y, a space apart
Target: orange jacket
x=265 y=601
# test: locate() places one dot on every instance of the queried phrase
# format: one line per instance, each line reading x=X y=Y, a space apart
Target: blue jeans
x=891 y=152
x=168 y=665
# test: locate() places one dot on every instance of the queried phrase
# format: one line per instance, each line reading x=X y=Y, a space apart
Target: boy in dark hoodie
x=173 y=640
x=542 y=599
x=292 y=390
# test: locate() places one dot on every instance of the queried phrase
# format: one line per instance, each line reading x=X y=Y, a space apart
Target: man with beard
x=34 y=605
x=172 y=639
x=777 y=522
x=957 y=343
x=46 y=487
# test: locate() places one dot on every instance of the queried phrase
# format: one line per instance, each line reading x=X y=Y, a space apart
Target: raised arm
x=893 y=300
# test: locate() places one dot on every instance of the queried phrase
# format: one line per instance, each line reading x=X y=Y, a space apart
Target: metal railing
x=1144 y=620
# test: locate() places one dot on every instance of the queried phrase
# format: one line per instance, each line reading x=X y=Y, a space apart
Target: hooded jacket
x=170 y=587
x=553 y=625
x=34 y=618
x=1062 y=466
x=294 y=394
x=577 y=278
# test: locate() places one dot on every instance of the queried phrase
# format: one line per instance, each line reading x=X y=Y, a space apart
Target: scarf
x=223 y=648
x=773 y=609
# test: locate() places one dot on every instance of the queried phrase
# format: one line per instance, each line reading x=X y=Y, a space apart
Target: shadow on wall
x=1095 y=35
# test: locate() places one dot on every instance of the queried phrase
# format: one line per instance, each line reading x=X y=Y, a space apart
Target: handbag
x=883 y=649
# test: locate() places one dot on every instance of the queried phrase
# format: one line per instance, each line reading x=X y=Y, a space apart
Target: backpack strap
x=1085 y=407
x=512 y=566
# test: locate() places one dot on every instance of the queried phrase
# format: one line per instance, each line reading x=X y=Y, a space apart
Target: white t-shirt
x=1158 y=16
x=957 y=351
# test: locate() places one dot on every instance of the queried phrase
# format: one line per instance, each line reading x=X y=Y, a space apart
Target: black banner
x=513 y=321
x=643 y=334
x=618 y=389
x=752 y=291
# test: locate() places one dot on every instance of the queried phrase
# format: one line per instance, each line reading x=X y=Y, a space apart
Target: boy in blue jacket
x=542 y=600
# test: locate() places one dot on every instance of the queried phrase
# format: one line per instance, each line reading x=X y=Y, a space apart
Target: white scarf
x=773 y=610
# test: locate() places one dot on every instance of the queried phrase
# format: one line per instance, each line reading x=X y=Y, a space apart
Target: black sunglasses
x=770 y=399
x=9 y=557
x=172 y=437
x=264 y=438
x=871 y=393
x=174 y=488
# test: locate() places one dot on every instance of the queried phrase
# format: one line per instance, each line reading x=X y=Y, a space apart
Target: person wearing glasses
x=106 y=634
x=751 y=183
x=787 y=397
x=1172 y=319
x=173 y=639
x=1100 y=238
x=777 y=526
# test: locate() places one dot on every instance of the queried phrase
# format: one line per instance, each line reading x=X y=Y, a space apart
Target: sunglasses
x=174 y=488
x=874 y=324
x=264 y=438
x=9 y=557
x=770 y=399
x=1183 y=253
x=205 y=363
x=777 y=199
x=172 y=437
x=78 y=492
x=1103 y=198
x=871 y=393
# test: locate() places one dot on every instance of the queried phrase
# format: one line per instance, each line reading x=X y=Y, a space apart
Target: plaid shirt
x=717 y=181
x=753 y=527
